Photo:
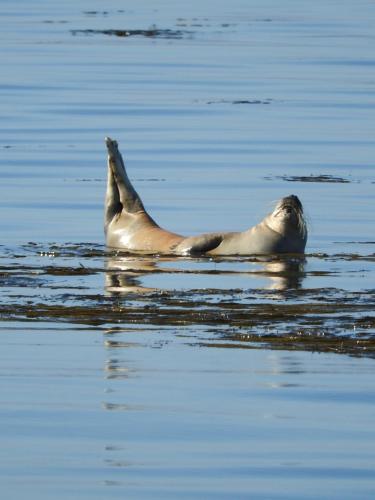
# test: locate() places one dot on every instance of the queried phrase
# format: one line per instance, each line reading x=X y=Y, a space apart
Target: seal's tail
x=121 y=194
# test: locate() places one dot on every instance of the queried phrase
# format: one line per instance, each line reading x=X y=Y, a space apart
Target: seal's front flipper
x=195 y=245
x=129 y=198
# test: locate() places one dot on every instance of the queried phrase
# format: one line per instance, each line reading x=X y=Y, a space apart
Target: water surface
x=149 y=377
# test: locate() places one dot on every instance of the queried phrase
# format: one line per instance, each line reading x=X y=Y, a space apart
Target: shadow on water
x=282 y=302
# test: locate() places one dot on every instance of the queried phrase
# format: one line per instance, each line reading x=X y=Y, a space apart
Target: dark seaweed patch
x=50 y=21
x=102 y=12
x=151 y=179
x=357 y=242
x=54 y=283
x=153 y=32
x=89 y=180
x=298 y=341
x=95 y=12
x=311 y=178
x=241 y=101
x=69 y=271
x=201 y=23
x=65 y=250
x=315 y=326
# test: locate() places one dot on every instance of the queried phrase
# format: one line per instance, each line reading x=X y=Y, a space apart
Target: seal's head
x=287 y=219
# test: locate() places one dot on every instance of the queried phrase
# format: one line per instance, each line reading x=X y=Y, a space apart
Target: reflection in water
x=115 y=369
x=286 y=371
x=124 y=273
x=285 y=274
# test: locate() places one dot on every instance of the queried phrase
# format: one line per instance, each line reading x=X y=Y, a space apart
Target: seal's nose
x=294 y=201
x=294 y=198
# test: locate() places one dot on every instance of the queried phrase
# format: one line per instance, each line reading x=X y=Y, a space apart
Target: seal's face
x=288 y=217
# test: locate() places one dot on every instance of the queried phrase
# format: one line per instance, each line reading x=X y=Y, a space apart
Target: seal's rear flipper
x=128 y=197
x=112 y=205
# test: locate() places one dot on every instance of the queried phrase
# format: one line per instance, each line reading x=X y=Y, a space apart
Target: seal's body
x=128 y=226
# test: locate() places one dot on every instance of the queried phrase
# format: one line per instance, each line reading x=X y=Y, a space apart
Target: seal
x=128 y=226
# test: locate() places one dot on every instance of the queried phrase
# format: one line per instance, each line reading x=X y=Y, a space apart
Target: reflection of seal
x=128 y=225
x=126 y=273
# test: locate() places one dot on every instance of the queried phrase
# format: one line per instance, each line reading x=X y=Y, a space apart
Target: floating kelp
x=280 y=302
x=241 y=101
x=311 y=178
x=152 y=32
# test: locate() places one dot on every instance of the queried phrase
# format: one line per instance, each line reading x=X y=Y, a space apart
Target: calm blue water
x=115 y=408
